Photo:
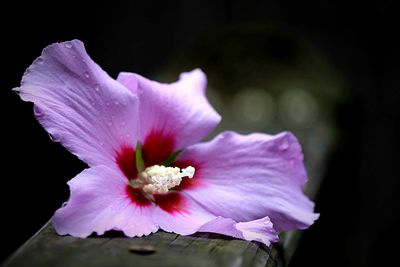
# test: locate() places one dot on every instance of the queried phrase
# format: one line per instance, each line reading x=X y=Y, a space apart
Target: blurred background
x=326 y=70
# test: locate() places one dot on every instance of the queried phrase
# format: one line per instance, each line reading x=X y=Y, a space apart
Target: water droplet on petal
x=107 y=104
x=40 y=61
x=55 y=137
x=68 y=45
x=37 y=111
x=284 y=145
x=97 y=87
x=86 y=75
x=116 y=103
x=123 y=123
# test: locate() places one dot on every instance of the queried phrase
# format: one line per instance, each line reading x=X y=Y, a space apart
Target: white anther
x=188 y=172
x=158 y=179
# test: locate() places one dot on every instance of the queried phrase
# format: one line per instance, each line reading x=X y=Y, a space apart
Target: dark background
x=359 y=196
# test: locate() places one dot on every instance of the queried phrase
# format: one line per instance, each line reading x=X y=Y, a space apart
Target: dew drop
x=116 y=103
x=55 y=137
x=68 y=45
x=107 y=104
x=40 y=61
x=123 y=123
x=284 y=145
x=97 y=87
x=37 y=111
x=86 y=75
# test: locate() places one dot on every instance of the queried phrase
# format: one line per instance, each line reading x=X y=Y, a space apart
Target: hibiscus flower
x=147 y=170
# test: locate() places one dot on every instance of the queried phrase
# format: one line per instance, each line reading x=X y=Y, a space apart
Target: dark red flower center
x=156 y=148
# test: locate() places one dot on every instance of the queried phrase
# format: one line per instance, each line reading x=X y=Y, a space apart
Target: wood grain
x=46 y=248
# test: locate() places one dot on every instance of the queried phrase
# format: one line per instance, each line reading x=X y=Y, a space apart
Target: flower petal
x=260 y=230
x=80 y=106
x=178 y=110
x=100 y=202
x=247 y=177
x=178 y=213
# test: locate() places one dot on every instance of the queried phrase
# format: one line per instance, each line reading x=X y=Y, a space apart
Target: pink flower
x=245 y=186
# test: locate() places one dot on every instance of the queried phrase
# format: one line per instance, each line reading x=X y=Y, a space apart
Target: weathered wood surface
x=47 y=248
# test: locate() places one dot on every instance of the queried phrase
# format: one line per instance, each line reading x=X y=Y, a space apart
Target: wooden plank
x=47 y=248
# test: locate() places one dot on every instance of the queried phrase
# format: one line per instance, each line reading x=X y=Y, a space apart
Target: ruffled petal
x=172 y=116
x=100 y=201
x=247 y=177
x=260 y=230
x=79 y=105
x=178 y=213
